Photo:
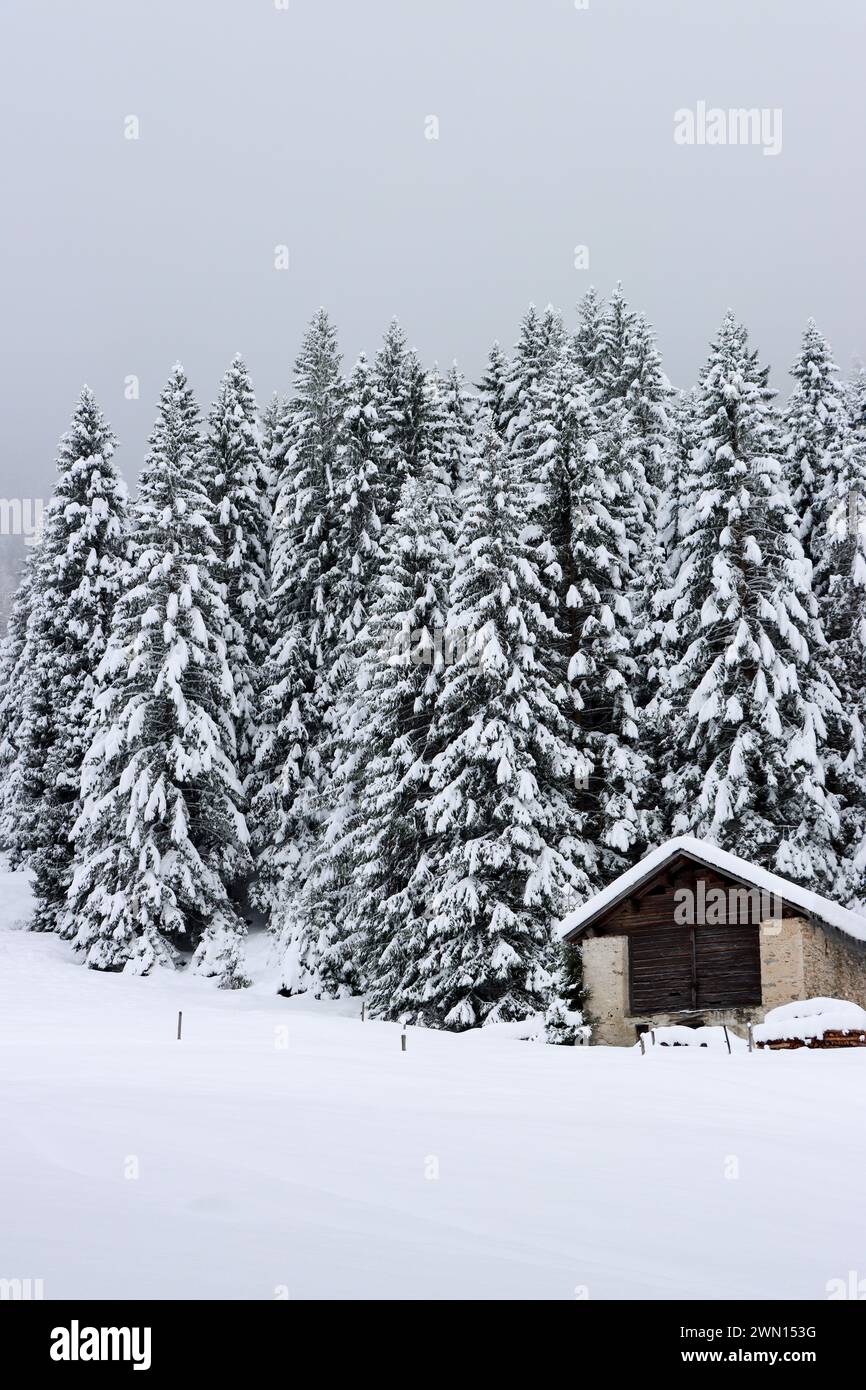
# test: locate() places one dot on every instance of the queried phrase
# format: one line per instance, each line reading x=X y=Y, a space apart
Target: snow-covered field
x=288 y=1149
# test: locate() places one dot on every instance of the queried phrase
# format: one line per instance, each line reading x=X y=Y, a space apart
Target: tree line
x=413 y=668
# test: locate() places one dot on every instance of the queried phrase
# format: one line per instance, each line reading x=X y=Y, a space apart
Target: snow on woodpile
x=811 y=1018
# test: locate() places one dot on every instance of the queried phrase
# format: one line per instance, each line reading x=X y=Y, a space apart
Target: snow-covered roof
x=823 y=910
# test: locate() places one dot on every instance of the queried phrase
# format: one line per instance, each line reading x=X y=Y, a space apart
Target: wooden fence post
x=179 y=1023
x=403 y=1039
x=727 y=1039
x=642 y=1047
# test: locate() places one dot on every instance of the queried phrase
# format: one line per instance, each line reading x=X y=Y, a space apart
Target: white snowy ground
x=562 y=1173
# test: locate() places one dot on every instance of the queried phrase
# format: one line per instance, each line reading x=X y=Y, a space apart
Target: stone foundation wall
x=834 y=968
x=605 y=974
x=783 y=974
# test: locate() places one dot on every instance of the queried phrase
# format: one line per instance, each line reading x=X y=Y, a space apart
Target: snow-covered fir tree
x=493 y=387
x=460 y=408
x=655 y=631
x=287 y=806
x=502 y=810
x=360 y=501
x=753 y=702
x=616 y=346
x=551 y=334
x=528 y=366
x=656 y=636
x=14 y=663
x=629 y=392
x=311 y=914
x=421 y=421
x=588 y=343
x=274 y=419
x=419 y=418
x=406 y=650
x=646 y=445
x=399 y=382
x=587 y=556
x=647 y=421
x=684 y=438
x=75 y=582
x=237 y=485
x=162 y=833
x=837 y=539
x=815 y=437
x=272 y=414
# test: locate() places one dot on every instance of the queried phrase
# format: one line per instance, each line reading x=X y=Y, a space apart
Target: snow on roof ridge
x=853 y=924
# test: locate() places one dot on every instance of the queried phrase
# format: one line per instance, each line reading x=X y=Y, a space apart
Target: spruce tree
x=617 y=333
x=413 y=417
x=237 y=486
x=421 y=421
x=287 y=805
x=588 y=345
x=407 y=649
x=162 y=833
x=502 y=810
x=588 y=558
x=656 y=638
x=551 y=333
x=528 y=366
x=398 y=380
x=460 y=413
x=647 y=421
x=629 y=393
x=655 y=635
x=493 y=387
x=76 y=579
x=684 y=439
x=752 y=701
x=445 y=446
x=647 y=443
x=815 y=437
x=13 y=673
x=837 y=539
x=311 y=913
x=271 y=416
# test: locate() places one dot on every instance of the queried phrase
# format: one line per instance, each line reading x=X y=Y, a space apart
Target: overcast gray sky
x=307 y=127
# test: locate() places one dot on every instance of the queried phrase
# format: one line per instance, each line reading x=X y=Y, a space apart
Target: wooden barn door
x=727 y=966
x=661 y=970
x=672 y=969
